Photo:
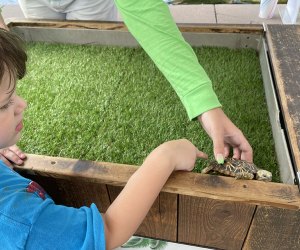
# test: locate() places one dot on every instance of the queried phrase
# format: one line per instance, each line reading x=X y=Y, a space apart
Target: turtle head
x=263 y=175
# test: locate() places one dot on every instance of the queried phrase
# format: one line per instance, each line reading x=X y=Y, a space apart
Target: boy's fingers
x=200 y=154
x=9 y=156
x=15 y=149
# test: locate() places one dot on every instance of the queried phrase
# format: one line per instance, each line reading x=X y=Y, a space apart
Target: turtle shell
x=233 y=167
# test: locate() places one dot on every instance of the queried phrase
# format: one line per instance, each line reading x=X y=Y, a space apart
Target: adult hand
x=224 y=135
x=12 y=155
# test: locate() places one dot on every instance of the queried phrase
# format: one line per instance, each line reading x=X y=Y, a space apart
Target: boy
x=31 y=220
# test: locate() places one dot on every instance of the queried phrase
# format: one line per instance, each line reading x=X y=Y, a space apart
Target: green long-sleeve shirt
x=151 y=23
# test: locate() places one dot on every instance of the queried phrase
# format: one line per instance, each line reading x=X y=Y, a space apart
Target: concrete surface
x=202 y=13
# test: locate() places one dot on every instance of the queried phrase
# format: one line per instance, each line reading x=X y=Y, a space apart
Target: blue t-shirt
x=29 y=219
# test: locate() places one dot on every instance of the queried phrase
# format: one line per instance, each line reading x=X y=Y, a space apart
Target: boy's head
x=12 y=67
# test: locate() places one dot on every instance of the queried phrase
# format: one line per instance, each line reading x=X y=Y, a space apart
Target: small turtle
x=239 y=169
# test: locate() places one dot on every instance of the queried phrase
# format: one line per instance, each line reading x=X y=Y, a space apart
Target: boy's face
x=11 y=113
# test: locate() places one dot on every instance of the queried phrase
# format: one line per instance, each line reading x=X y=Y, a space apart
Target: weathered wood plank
x=274 y=228
x=186 y=183
x=217 y=224
x=284 y=48
x=204 y=28
x=78 y=193
x=161 y=220
x=74 y=193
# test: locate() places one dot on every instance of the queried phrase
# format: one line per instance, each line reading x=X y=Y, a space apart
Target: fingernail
x=19 y=161
x=220 y=158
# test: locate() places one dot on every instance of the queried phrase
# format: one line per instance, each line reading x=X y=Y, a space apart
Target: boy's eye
x=10 y=102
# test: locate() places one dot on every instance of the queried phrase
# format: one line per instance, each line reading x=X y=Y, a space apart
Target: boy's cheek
x=8 y=137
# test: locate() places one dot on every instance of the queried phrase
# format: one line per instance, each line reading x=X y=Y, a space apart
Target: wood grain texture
x=73 y=193
x=213 y=223
x=284 y=48
x=274 y=228
x=203 y=28
x=161 y=220
x=78 y=194
x=186 y=183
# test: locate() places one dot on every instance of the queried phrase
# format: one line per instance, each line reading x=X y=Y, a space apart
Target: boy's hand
x=183 y=154
x=12 y=155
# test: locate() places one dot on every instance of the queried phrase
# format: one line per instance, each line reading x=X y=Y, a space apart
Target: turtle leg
x=245 y=176
x=207 y=170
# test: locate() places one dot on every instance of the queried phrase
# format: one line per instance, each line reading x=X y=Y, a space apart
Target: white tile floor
x=245 y=14
x=204 y=13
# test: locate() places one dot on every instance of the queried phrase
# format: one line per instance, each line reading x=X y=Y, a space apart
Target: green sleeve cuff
x=200 y=100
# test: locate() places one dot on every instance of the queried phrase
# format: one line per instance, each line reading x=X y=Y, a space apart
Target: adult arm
x=152 y=25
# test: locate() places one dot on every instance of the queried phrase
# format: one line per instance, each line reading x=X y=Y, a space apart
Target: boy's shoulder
x=20 y=197
x=26 y=210
x=17 y=209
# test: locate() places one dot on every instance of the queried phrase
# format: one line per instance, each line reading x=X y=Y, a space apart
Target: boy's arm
x=151 y=23
x=131 y=206
x=129 y=209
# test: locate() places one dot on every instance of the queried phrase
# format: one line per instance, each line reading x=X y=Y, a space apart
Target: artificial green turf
x=112 y=104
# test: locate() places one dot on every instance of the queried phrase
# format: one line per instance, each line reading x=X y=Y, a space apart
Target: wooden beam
x=203 y=28
x=284 y=43
x=186 y=183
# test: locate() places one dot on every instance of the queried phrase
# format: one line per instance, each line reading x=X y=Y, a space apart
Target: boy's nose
x=21 y=105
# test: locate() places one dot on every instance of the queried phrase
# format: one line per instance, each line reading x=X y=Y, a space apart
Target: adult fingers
x=246 y=152
x=236 y=153
x=218 y=140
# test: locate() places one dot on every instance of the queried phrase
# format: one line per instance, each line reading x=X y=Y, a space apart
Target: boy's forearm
x=130 y=208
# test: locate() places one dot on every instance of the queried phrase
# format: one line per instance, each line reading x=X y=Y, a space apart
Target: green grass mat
x=112 y=104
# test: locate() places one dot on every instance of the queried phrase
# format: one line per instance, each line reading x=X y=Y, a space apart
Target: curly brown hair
x=12 y=56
